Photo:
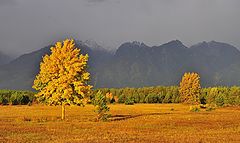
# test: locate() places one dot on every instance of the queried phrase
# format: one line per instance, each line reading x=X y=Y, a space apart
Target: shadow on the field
x=125 y=117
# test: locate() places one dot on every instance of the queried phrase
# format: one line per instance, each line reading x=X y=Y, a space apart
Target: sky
x=28 y=25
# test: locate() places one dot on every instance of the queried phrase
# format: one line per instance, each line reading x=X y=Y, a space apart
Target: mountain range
x=135 y=64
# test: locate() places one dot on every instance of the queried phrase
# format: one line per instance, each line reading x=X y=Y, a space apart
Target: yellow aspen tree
x=190 y=88
x=63 y=77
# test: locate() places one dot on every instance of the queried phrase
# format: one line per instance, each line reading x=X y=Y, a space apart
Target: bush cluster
x=220 y=96
x=12 y=97
x=130 y=96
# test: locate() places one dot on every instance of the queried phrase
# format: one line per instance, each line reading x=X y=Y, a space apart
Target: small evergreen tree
x=100 y=102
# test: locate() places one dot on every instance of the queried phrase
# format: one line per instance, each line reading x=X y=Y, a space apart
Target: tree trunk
x=63 y=111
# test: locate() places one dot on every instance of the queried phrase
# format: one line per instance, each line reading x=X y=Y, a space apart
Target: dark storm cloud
x=32 y=24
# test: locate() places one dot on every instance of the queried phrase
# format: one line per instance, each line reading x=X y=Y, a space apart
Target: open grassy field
x=133 y=123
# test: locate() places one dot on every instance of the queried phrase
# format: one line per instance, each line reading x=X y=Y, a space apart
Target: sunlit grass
x=133 y=123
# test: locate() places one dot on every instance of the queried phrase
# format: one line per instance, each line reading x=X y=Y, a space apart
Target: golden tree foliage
x=190 y=88
x=63 y=76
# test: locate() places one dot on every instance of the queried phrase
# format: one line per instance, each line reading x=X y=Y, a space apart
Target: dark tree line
x=161 y=94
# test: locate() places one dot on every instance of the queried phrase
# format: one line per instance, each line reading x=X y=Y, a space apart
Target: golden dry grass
x=133 y=123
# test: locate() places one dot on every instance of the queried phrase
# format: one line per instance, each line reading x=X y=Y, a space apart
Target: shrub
x=16 y=97
x=177 y=100
x=129 y=101
x=161 y=97
x=220 y=99
x=5 y=97
x=167 y=98
x=141 y=98
x=100 y=102
x=237 y=101
x=136 y=98
x=3 y=100
x=210 y=108
x=211 y=95
x=151 y=98
x=19 y=98
x=121 y=98
x=203 y=100
x=194 y=108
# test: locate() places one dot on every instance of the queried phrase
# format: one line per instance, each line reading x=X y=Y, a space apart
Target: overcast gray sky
x=28 y=25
